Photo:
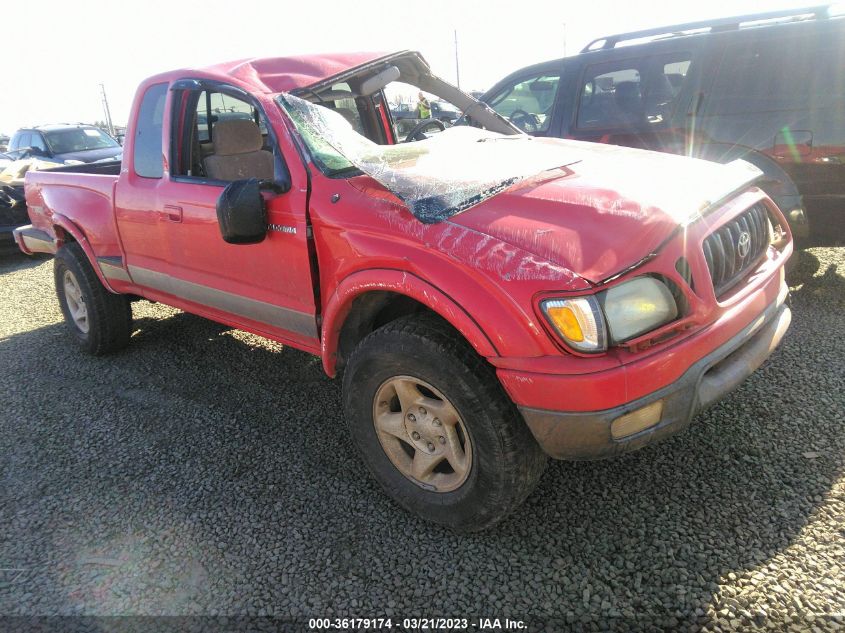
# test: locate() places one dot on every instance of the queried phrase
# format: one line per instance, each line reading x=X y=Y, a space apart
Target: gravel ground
x=207 y=471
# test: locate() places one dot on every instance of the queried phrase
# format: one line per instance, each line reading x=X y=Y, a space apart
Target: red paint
x=483 y=270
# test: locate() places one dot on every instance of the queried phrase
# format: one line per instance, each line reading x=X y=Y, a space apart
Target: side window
x=528 y=102
x=221 y=138
x=215 y=106
x=611 y=96
x=663 y=86
x=148 y=130
x=36 y=140
x=340 y=100
x=787 y=74
x=640 y=93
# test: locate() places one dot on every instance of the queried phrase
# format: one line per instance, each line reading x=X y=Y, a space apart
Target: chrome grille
x=732 y=250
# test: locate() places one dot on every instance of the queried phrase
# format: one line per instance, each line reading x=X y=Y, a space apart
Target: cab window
x=148 y=130
x=528 y=102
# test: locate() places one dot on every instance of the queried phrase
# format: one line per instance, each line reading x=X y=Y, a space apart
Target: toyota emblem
x=744 y=244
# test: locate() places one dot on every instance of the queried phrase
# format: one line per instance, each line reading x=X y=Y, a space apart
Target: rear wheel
x=435 y=427
x=100 y=321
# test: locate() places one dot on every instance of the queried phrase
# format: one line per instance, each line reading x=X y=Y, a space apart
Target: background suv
x=63 y=143
x=768 y=88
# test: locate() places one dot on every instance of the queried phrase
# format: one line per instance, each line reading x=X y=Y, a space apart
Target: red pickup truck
x=490 y=298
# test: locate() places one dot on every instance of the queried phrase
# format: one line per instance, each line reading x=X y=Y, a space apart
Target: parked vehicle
x=440 y=110
x=768 y=88
x=69 y=144
x=12 y=212
x=444 y=111
x=490 y=298
x=401 y=111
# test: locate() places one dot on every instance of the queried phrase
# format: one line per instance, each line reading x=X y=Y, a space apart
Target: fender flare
x=400 y=282
x=64 y=223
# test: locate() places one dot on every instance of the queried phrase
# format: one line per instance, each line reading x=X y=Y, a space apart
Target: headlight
x=579 y=321
x=637 y=306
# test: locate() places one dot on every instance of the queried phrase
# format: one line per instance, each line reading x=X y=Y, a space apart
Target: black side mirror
x=241 y=212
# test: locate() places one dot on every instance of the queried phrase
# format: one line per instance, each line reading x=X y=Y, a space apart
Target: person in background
x=423 y=107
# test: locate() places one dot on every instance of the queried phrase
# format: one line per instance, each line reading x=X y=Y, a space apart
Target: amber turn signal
x=564 y=319
x=579 y=322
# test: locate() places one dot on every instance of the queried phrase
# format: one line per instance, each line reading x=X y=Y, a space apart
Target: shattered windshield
x=436 y=178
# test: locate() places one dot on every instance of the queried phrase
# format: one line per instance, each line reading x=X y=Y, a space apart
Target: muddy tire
x=99 y=321
x=435 y=427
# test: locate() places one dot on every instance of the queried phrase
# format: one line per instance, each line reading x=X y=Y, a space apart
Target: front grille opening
x=735 y=248
x=677 y=294
x=684 y=270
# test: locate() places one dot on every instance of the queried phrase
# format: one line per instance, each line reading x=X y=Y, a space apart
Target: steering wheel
x=525 y=121
x=416 y=134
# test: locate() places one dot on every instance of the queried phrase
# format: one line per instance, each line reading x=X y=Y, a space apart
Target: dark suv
x=64 y=143
x=769 y=88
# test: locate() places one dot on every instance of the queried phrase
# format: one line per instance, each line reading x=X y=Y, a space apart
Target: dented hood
x=609 y=210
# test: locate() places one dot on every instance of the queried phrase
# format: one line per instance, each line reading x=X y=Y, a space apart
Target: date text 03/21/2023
x=418 y=624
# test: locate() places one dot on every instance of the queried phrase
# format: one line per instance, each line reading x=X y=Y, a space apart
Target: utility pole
x=457 y=65
x=106 y=108
x=564 y=39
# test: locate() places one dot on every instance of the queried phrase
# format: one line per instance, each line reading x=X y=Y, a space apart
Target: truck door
x=218 y=135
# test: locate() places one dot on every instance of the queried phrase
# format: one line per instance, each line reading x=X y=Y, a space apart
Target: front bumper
x=588 y=435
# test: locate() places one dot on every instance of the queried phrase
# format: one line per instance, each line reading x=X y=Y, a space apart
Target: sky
x=57 y=53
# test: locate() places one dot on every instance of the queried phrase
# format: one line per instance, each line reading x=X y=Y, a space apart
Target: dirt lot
x=206 y=471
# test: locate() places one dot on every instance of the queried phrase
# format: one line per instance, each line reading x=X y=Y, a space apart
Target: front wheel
x=435 y=427
x=100 y=321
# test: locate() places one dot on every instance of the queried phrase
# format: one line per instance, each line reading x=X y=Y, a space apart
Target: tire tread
x=110 y=315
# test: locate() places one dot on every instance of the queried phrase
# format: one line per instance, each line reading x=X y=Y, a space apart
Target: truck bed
x=77 y=198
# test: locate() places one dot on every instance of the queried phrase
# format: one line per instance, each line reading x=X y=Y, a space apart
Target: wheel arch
x=772 y=171
x=66 y=231
x=369 y=299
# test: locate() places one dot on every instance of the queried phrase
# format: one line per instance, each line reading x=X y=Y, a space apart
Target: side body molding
x=400 y=282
